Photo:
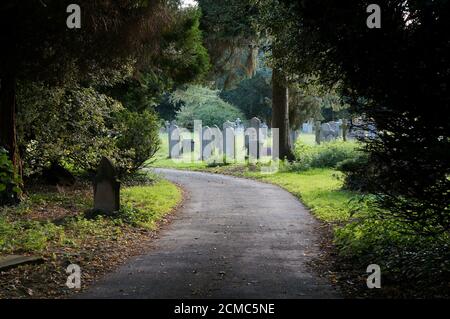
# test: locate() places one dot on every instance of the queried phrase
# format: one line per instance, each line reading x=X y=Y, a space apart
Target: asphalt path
x=233 y=238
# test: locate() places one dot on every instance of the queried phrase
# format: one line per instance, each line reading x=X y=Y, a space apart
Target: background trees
x=39 y=47
x=71 y=96
x=200 y=103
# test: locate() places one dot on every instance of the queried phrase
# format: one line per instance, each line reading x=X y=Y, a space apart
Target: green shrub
x=9 y=189
x=27 y=236
x=137 y=141
x=331 y=153
x=77 y=126
x=403 y=256
x=326 y=155
x=356 y=171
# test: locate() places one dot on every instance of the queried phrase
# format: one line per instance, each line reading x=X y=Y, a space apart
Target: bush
x=423 y=261
x=356 y=171
x=326 y=155
x=138 y=140
x=9 y=182
x=76 y=127
x=72 y=126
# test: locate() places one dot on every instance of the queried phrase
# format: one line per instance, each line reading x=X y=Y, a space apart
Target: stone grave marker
x=207 y=143
x=228 y=140
x=254 y=138
x=106 y=188
x=174 y=141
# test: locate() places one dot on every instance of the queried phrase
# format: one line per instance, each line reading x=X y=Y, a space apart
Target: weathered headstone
x=239 y=142
x=328 y=131
x=207 y=143
x=307 y=128
x=106 y=188
x=187 y=146
x=217 y=144
x=254 y=138
x=228 y=140
x=174 y=141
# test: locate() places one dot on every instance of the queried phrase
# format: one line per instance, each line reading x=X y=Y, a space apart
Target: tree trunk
x=8 y=136
x=280 y=113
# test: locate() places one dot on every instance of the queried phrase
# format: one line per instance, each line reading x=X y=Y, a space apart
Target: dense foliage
x=9 y=182
x=402 y=71
x=201 y=103
x=81 y=101
x=252 y=96
x=325 y=155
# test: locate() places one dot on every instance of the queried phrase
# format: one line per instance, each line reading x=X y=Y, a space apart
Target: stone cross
x=106 y=188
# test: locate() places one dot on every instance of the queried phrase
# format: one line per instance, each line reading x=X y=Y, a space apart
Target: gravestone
x=217 y=144
x=106 y=188
x=228 y=140
x=239 y=142
x=254 y=138
x=264 y=139
x=187 y=146
x=207 y=143
x=328 y=131
x=307 y=128
x=174 y=141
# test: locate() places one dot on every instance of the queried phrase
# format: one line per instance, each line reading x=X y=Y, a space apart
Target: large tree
x=233 y=40
x=37 y=45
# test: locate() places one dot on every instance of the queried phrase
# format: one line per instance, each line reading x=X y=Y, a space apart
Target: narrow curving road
x=233 y=238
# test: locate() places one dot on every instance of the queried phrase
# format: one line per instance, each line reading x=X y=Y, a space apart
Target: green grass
x=142 y=206
x=319 y=189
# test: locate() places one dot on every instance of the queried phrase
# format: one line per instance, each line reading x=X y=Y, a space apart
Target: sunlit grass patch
x=143 y=206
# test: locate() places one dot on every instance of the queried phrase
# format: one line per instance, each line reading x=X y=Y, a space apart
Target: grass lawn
x=319 y=189
x=55 y=226
x=150 y=203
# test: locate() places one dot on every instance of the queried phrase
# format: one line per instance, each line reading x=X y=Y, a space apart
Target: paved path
x=234 y=238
